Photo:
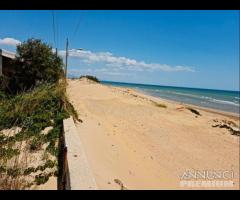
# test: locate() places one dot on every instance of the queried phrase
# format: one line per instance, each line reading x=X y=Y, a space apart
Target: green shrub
x=2 y=95
x=33 y=99
x=35 y=63
x=29 y=170
x=14 y=172
x=34 y=110
x=92 y=78
x=4 y=86
x=7 y=153
x=42 y=178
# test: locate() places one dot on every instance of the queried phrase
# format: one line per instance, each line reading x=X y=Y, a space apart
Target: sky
x=198 y=49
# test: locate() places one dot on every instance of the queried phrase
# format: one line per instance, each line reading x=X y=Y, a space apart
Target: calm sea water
x=218 y=99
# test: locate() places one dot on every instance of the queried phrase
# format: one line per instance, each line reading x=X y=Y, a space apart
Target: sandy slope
x=127 y=137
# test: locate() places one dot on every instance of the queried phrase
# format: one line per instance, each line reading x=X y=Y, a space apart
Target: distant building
x=5 y=62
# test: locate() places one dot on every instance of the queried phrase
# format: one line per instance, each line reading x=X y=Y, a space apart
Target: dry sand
x=130 y=141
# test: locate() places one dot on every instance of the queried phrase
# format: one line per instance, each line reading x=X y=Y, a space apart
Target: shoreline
x=207 y=109
x=233 y=115
x=133 y=142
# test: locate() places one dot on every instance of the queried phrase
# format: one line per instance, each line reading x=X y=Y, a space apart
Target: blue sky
x=177 y=48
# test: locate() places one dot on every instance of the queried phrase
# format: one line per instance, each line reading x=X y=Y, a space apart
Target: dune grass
x=32 y=111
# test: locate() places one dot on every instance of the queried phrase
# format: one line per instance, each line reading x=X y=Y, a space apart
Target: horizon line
x=148 y=84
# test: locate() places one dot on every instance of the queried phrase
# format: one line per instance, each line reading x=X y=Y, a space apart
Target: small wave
x=221 y=101
x=224 y=102
x=235 y=103
x=185 y=94
x=206 y=98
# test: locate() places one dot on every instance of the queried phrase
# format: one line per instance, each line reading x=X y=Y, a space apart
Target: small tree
x=35 y=63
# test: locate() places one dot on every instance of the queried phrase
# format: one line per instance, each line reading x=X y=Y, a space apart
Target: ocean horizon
x=223 y=100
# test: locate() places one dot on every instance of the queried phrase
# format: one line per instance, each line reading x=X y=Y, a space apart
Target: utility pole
x=66 y=62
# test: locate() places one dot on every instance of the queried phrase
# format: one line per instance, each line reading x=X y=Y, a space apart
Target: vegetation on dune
x=2 y=95
x=40 y=105
x=32 y=99
x=92 y=78
x=45 y=106
x=4 y=86
x=34 y=64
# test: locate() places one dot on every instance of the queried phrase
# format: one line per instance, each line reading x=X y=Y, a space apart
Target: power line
x=77 y=25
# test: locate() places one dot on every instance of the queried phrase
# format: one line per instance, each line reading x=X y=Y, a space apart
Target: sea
x=222 y=100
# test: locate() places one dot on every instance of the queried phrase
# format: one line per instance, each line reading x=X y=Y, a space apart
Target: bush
x=34 y=110
x=4 y=85
x=42 y=178
x=92 y=78
x=32 y=98
x=35 y=63
x=2 y=95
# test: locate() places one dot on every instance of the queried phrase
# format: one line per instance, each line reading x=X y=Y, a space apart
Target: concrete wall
x=77 y=171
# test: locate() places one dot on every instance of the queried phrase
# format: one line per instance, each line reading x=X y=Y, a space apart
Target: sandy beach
x=132 y=143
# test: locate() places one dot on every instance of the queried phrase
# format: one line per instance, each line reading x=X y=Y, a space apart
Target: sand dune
x=131 y=142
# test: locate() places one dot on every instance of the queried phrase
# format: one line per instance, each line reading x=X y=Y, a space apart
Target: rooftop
x=7 y=54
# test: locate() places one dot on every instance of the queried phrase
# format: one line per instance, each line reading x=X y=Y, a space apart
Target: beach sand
x=131 y=143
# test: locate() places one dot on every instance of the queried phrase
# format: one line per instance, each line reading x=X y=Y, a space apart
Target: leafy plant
x=42 y=178
x=35 y=63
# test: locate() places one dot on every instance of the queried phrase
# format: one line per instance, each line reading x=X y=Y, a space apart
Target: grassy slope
x=33 y=111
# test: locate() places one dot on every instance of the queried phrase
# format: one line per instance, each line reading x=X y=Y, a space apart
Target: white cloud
x=9 y=41
x=115 y=63
x=97 y=72
x=123 y=63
